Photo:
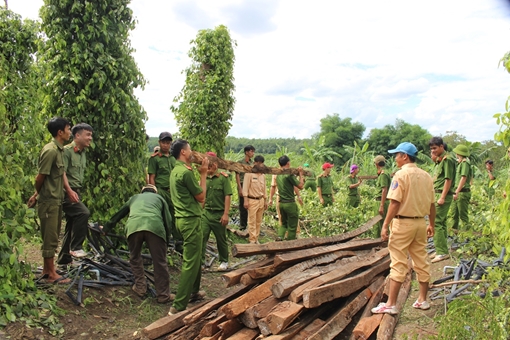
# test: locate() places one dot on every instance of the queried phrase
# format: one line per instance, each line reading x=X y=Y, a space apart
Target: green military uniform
x=310 y=182
x=491 y=185
x=353 y=197
x=183 y=189
x=161 y=166
x=444 y=169
x=326 y=184
x=461 y=205
x=243 y=212
x=77 y=214
x=218 y=187
x=150 y=222
x=288 y=207
x=51 y=195
x=383 y=181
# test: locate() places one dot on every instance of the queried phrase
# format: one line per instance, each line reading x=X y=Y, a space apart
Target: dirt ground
x=118 y=313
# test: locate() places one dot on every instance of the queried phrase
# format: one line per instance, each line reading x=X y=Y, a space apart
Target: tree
x=338 y=132
x=206 y=102
x=91 y=76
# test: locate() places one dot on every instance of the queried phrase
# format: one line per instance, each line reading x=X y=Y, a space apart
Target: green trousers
x=189 y=282
x=290 y=219
x=441 y=230
x=328 y=200
x=211 y=222
x=460 y=210
x=50 y=215
x=353 y=201
x=378 y=226
x=176 y=235
x=312 y=185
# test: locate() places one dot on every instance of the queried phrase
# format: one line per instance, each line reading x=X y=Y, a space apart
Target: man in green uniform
x=77 y=214
x=353 y=197
x=462 y=187
x=383 y=183
x=249 y=151
x=310 y=182
x=50 y=183
x=149 y=221
x=288 y=207
x=444 y=177
x=188 y=197
x=215 y=216
x=160 y=167
x=325 y=185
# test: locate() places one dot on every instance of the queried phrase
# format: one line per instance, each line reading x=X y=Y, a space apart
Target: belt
x=411 y=217
x=287 y=201
x=465 y=190
x=256 y=198
x=441 y=191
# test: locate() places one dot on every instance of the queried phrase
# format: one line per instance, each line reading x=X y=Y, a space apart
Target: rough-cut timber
x=346 y=267
x=250 y=316
x=242 y=250
x=337 y=323
x=246 y=280
x=167 y=324
x=388 y=322
x=245 y=334
x=211 y=327
x=214 y=304
x=197 y=158
x=279 y=318
x=309 y=330
x=369 y=322
x=264 y=272
x=317 y=296
x=234 y=277
x=188 y=332
x=229 y=328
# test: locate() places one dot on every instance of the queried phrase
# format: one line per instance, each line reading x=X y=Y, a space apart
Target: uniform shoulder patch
x=394 y=185
x=188 y=167
x=154 y=154
x=224 y=174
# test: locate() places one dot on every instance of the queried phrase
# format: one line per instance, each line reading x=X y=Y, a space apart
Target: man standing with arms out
x=412 y=198
x=444 y=177
x=161 y=164
x=353 y=197
x=249 y=151
x=188 y=197
x=49 y=194
x=217 y=207
x=77 y=214
x=310 y=182
x=383 y=183
x=288 y=208
x=325 y=185
x=150 y=222
x=255 y=200
x=489 y=165
x=462 y=187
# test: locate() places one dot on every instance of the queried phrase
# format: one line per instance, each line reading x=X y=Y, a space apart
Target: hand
x=321 y=200
x=300 y=170
x=455 y=196
x=270 y=202
x=224 y=220
x=73 y=196
x=360 y=180
x=246 y=205
x=430 y=231
x=300 y=201
x=204 y=166
x=265 y=206
x=440 y=201
x=32 y=201
x=384 y=233
x=381 y=210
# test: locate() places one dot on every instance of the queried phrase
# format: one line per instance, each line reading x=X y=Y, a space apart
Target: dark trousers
x=75 y=233
x=157 y=249
x=243 y=212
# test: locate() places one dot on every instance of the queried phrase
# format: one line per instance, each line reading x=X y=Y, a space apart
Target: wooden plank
x=250 y=316
x=388 y=322
x=281 y=316
x=309 y=330
x=300 y=255
x=234 y=277
x=369 y=322
x=168 y=323
x=242 y=250
x=211 y=327
x=347 y=266
x=236 y=307
x=214 y=304
x=188 y=331
x=266 y=271
x=337 y=323
x=317 y=296
x=245 y=334
x=229 y=328
x=246 y=280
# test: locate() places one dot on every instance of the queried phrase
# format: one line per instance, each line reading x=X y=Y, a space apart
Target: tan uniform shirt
x=414 y=189
x=254 y=185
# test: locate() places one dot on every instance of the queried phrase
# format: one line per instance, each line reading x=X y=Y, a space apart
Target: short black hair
x=489 y=161
x=259 y=159
x=249 y=148
x=283 y=160
x=57 y=124
x=381 y=163
x=412 y=158
x=177 y=147
x=438 y=141
x=81 y=126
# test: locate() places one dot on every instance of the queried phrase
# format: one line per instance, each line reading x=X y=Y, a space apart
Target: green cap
x=461 y=150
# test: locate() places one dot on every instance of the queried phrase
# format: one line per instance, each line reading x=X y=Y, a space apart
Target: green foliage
x=91 y=77
x=338 y=132
x=206 y=102
x=319 y=153
x=22 y=128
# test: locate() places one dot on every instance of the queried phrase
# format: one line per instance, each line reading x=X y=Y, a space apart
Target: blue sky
x=432 y=63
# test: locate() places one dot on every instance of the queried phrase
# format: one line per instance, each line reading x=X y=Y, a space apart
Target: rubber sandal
x=41 y=279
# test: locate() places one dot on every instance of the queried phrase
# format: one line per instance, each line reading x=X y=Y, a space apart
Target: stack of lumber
x=303 y=289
